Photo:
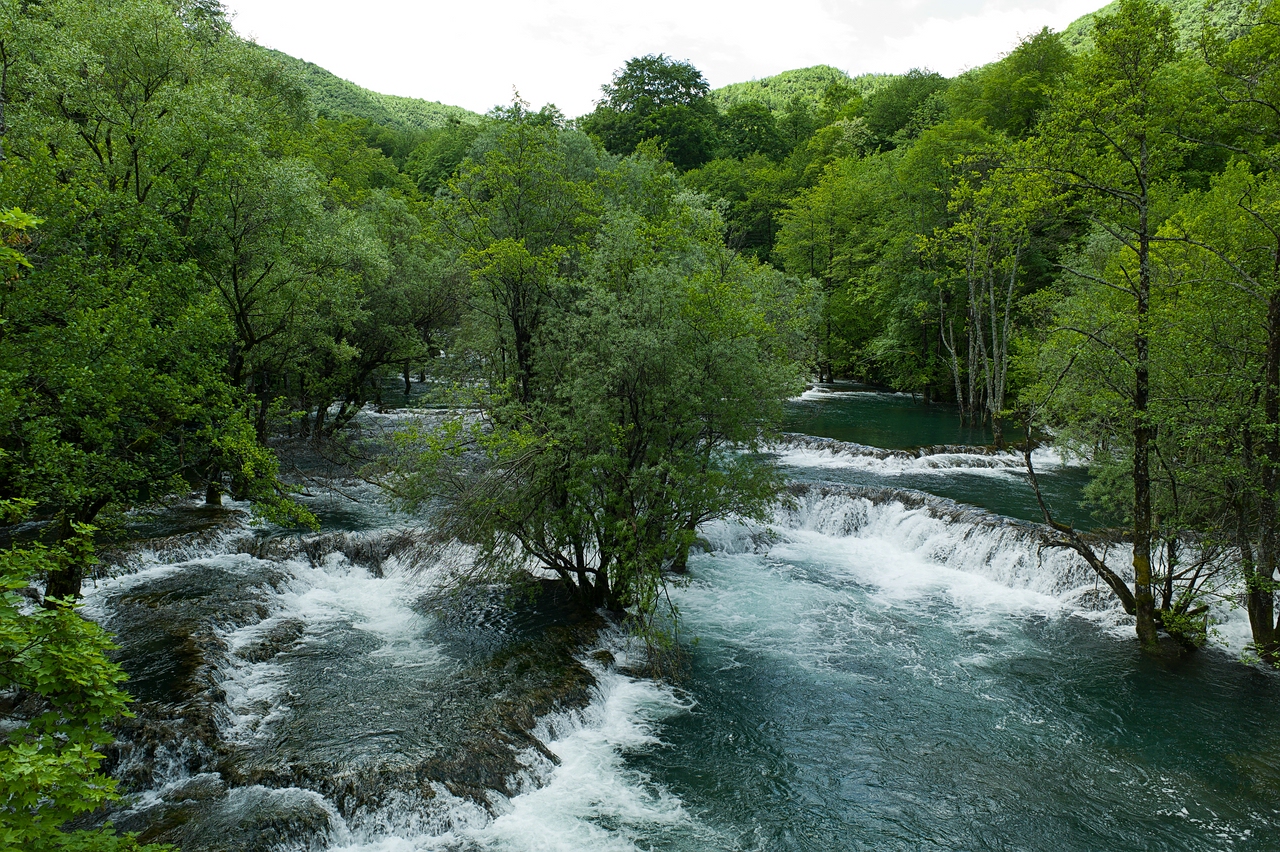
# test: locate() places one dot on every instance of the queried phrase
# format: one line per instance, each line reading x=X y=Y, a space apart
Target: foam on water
x=841 y=573
x=912 y=547
x=587 y=798
x=332 y=596
x=840 y=455
x=824 y=392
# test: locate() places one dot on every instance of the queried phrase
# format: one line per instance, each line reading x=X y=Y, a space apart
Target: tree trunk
x=1260 y=592
x=1144 y=600
x=65 y=580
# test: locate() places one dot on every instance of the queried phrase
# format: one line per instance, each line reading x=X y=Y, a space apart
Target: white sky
x=473 y=53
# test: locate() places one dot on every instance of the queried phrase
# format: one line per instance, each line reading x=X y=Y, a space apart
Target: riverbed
x=891 y=664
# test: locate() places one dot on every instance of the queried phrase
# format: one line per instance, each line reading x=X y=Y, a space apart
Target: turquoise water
x=856 y=697
x=867 y=673
x=860 y=415
x=863 y=415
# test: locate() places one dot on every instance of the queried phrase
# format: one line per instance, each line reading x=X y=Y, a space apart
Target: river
x=892 y=664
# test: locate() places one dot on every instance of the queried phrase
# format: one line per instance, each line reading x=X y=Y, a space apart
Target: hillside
x=777 y=91
x=1188 y=16
x=335 y=97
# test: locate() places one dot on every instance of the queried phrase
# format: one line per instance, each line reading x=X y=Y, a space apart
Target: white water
x=838 y=455
x=839 y=569
x=843 y=578
x=589 y=799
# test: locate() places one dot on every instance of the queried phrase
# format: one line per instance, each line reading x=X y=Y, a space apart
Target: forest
x=210 y=249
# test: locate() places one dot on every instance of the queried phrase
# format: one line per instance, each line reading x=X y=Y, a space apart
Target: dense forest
x=208 y=246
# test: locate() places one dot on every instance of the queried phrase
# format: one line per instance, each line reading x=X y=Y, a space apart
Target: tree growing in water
x=1111 y=139
x=658 y=357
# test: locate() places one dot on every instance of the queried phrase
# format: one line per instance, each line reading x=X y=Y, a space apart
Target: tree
x=1236 y=224
x=658 y=355
x=756 y=189
x=518 y=219
x=58 y=693
x=750 y=128
x=434 y=161
x=1010 y=95
x=657 y=98
x=108 y=397
x=997 y=209
x=894 y=108
x=1112 y=139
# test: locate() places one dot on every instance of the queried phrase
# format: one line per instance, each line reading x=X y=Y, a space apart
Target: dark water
x=860 y=415
x=876 y=678
x=894 y=421
x=855 y=697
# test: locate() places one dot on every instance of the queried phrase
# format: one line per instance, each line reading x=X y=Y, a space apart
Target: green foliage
x=59 y=691
x=660 y=99
x=756 y=189
x=208 y=258
x=629 y=357
x=1010 y=95
x=780 y=91
x=1189 y=19
x=332 y=97
x=434 y=161
x=750 y=128
x=903 y=107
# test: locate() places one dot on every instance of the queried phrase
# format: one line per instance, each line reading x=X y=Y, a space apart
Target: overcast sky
x=473 y=53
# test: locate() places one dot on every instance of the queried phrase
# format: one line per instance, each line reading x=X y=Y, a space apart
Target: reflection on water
x=896 y=421
x=860 y=415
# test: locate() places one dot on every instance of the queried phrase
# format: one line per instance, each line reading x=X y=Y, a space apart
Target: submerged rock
x=511 y=659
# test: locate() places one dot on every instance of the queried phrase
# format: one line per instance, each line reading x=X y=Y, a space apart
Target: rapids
x=893 y=663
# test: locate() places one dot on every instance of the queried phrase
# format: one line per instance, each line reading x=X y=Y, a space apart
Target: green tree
x=517 y=219
x=108 y=397
x=1234 y=226
x=60 y=691
x=1113 y=140
x=749 y=128
x=897 y=107
x=756 y=190
x=1011 y=94
x=998 y=208
x=657 y=98
x=658 y=354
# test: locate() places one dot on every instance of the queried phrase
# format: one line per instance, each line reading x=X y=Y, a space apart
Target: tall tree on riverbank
x=1112 y=140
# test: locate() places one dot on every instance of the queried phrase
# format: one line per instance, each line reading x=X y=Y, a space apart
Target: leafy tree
x=756 y=190
x=1010 y=95
x=58 y=692
x=997 y=208
x=1113 y=140
x=750 y=128
x=518 y=218
x=655 y=354
x=894 y=107
x=108 y=397
x=434 y=161
x=657 y=98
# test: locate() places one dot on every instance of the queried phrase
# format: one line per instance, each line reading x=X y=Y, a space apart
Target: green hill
x=335 y=97
x=1188 y=16
x=777 y=91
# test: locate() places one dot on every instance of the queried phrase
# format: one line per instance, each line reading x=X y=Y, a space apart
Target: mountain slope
x=1189 y=17
x=777 y=91
x=335 y=97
